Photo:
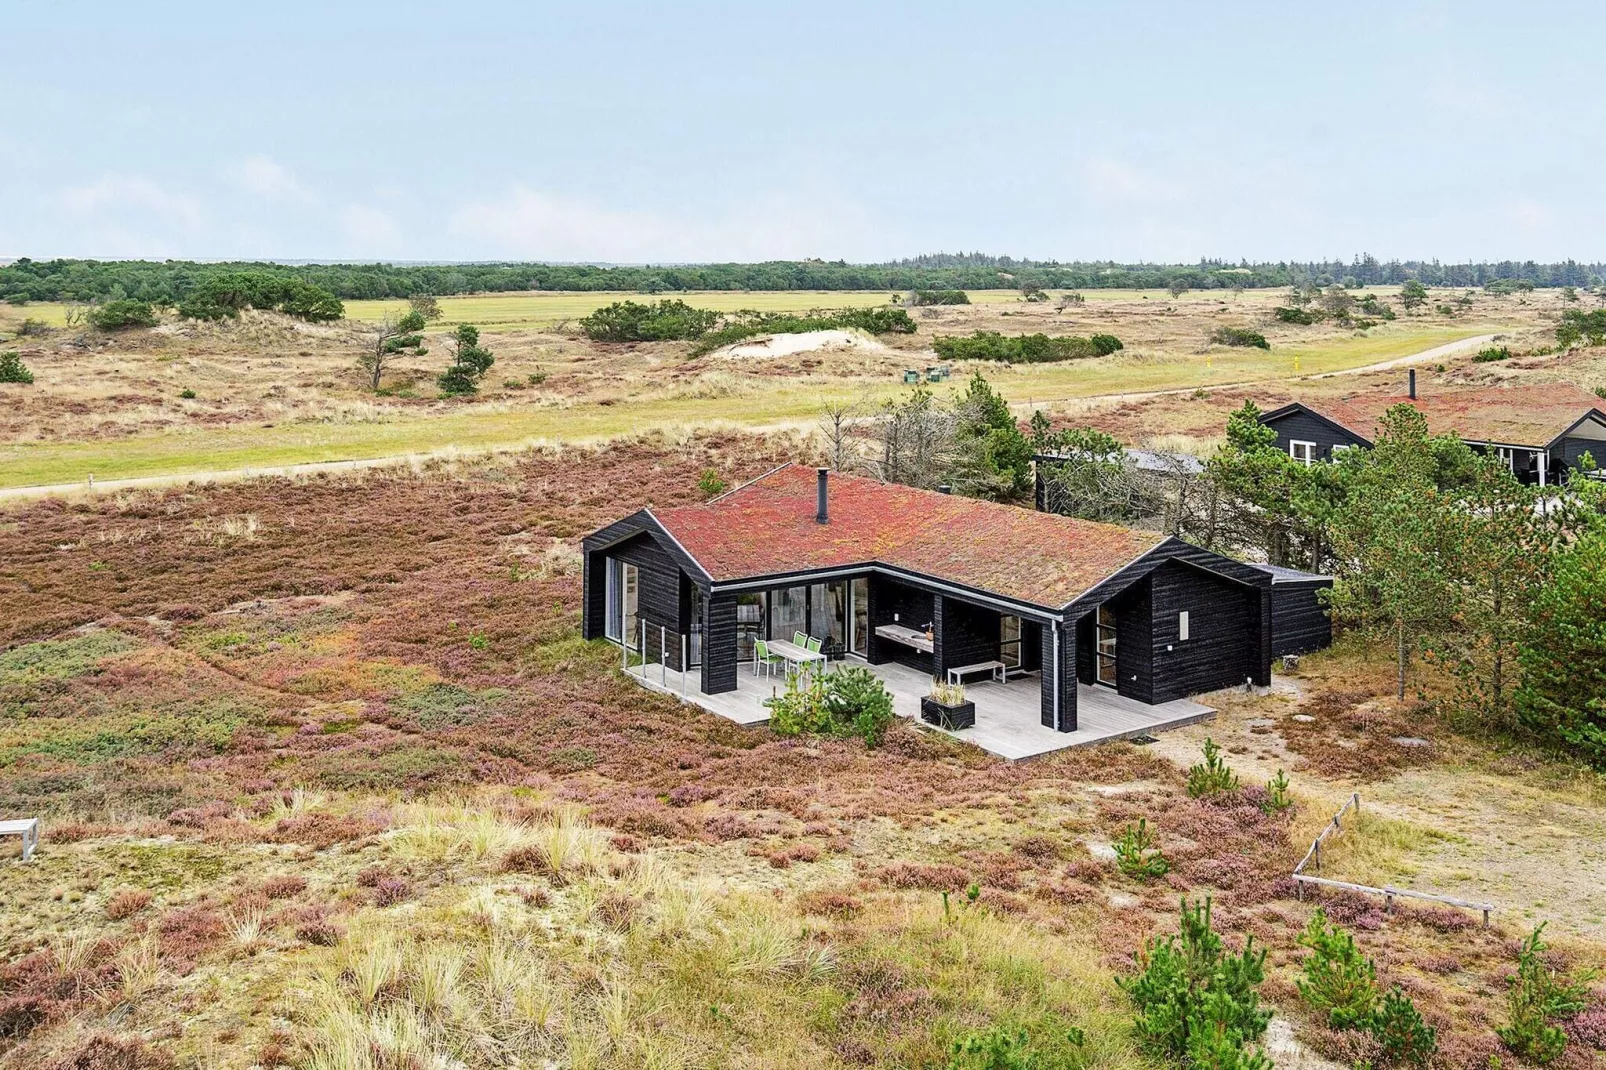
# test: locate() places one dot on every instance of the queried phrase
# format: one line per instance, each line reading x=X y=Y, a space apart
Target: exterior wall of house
x=1307 y=428
x=1224 y=629
x=1299 y=621
x=1569 y=449
x=968 y=634
x=719 y=645
x=1134 y=649
x=892 y=602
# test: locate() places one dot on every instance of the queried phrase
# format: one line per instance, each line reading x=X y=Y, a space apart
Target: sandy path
x=221 y=475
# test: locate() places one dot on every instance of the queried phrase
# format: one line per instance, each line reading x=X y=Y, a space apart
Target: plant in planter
x=947 y=707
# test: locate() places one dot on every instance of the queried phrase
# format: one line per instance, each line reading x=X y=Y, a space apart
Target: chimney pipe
x=1412 y=374
x=822 y=514
x=943 y=488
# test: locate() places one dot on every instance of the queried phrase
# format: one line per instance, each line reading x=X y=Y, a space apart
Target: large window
x=751 y=615
x=1104 y=648
x=622 y=591
x=860 y=589
x=789 y=612
x=828 y=612
x=1303 y=452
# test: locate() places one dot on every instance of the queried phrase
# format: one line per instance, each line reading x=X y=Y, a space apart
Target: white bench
x=28 y=829
x=957 y=674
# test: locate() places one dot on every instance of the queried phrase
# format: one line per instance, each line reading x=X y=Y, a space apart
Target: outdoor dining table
x=793 y=654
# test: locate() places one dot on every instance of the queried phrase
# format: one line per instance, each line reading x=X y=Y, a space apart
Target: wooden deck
x=1007 y=715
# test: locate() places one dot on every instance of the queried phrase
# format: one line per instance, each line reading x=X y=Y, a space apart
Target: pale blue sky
x=633 y=132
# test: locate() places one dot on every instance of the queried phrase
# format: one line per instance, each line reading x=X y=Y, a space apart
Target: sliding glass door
x=751 y=618
x=789 y=612
x=1009 y=642
x=622 y=591
x=828 y=613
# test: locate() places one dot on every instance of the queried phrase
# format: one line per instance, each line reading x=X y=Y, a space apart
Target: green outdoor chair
x=799 y=639
x=813 y=645
x=762 y=656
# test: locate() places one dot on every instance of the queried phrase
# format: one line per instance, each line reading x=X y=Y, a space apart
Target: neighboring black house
x=1299 y=618
x=1539 y=430
x=882 y=572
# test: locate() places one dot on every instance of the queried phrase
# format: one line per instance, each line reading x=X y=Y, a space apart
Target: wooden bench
x=28 y=829
x=957 y=674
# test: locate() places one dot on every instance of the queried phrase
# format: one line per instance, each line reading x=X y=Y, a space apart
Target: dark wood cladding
x=1299 y=620
x=1303 y=425
x=1058 y=676
x=719 y=645
x=892 y=602
x=1134 y=645
x=1224 y=630
x=969 y=634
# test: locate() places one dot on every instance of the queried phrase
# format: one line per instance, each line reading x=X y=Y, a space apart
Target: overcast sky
x=630 y=132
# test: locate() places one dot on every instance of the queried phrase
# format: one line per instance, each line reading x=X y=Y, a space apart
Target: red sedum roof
x=768 y=527
x=1531 y=414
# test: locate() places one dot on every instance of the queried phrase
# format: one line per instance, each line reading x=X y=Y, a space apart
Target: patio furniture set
x=803 y=652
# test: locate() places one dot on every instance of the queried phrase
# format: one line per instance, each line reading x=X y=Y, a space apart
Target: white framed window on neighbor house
x=1303 y=452
x=1182 y=625
x=1337 y=449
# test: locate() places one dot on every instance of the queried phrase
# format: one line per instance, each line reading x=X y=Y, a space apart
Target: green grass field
x=476 y=428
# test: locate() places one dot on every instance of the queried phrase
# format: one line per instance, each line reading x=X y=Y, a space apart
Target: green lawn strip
x=233 y=449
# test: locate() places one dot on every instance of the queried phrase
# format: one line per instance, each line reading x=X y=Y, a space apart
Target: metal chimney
x=822 y=514
x=1412 y=374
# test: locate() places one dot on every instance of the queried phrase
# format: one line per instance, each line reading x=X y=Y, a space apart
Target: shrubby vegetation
x=972 y=444
x=225 y=296
x=171 y=282
x=1198 y=1006
x=662 y=321
x=1577 y=327
x=470 y=362
x=1238 y=336
x=1340 y=982
x=938 y=297
x=122 y=314
x=850 y=701
x=1024 y=348
x=749 y=324
x=1540 y=997
x=12 y=370
x=1489 y=354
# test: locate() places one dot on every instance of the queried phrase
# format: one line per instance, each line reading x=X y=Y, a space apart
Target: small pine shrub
x=1488 y=354
x=710 y=483
x=1277 y=797
x=1400 y=1030
x=1197 y=1005
x=187 y=394
x=1001 y=1048
x=1211 y=776
x=1540 y=996
x=12 y=370
x=851 y=701
x=1138 y=855
x=1338 y=980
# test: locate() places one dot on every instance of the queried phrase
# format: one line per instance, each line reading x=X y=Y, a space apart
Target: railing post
x=1318 y=856
x=685 y=670
x=663 y=656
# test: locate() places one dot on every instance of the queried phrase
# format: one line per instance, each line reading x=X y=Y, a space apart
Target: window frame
x=1310 y=451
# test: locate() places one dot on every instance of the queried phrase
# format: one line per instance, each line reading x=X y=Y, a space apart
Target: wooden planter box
x=949 y=717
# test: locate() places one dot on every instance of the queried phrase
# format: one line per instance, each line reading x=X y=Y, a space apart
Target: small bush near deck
x=1137 y=854
x=1211 y=776
x=1238 y=336
x=1197 y=1005
x=1540 y=997
x=852 y=701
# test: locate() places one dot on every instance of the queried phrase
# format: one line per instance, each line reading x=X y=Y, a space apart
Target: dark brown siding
x=968 y=634
x=1134 y=652
x=913 y=609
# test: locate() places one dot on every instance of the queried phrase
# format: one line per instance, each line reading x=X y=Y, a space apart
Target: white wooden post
x=663 y=656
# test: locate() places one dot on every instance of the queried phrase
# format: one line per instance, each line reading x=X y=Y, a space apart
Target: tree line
x=173 y=281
